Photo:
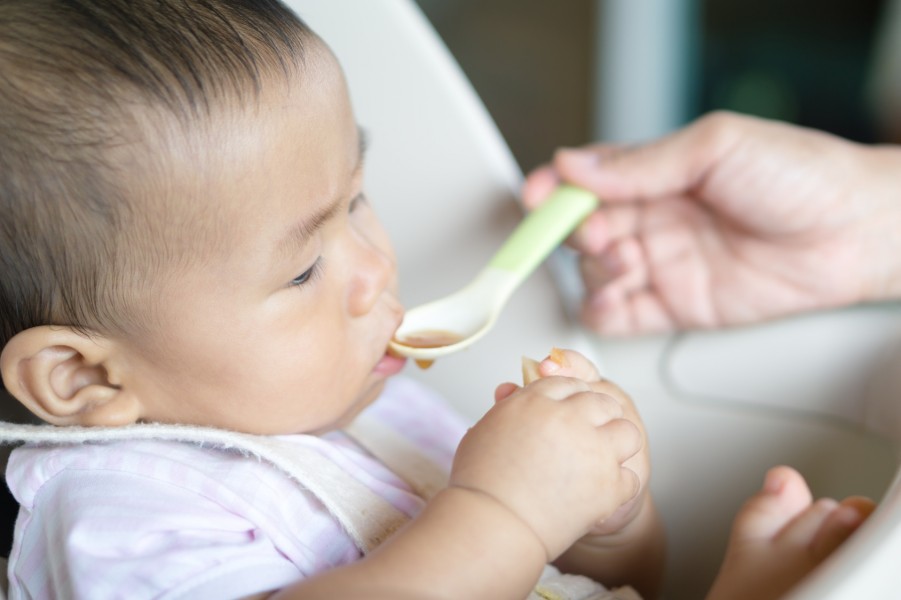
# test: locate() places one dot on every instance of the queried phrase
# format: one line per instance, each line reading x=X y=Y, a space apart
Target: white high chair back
x=720 y=408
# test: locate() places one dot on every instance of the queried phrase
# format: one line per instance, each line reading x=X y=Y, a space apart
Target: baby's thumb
x=568 y=363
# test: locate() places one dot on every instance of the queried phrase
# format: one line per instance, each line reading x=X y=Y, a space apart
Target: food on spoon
x=428 y=339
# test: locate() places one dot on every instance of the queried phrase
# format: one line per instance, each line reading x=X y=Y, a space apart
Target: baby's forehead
x=190 y=180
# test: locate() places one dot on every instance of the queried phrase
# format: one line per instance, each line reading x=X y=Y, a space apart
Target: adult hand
x=729 y=221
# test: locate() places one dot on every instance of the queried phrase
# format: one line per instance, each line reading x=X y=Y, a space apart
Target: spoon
x=454 y=322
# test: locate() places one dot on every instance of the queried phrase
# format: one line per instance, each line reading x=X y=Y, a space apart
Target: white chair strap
x=398 y=454
x=366 y=517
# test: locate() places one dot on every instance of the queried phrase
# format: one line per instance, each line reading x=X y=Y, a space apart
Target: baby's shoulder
x=189 y=466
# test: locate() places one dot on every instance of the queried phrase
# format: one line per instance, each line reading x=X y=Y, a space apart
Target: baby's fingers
x=504 y=391
x=629 y=488
x=623 y=438
x=596 y=409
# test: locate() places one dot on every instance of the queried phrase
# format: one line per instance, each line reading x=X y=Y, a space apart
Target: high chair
x=817 y=392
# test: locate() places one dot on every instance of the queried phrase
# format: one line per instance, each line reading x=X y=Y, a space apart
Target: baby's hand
x=568 y=363
x=552 y=453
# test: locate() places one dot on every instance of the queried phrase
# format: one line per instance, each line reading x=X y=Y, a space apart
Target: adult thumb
x=665 y=167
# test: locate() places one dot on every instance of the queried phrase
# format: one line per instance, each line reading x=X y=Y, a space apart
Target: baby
x=197 y=299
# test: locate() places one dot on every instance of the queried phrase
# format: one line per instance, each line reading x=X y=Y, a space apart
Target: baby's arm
x=627 y=548
x=531 y=477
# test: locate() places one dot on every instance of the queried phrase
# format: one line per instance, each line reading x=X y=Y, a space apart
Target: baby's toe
x=838 y=526
x=783 y=498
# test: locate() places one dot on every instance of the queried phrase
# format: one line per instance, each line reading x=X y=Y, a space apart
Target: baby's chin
x=367 y=396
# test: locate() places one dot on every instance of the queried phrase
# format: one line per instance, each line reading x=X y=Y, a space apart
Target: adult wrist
x=881 y=239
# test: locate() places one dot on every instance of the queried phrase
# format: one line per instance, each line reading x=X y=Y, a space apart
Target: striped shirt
x=162 y=519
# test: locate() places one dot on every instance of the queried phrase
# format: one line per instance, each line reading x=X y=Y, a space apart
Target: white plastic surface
x=720 y=408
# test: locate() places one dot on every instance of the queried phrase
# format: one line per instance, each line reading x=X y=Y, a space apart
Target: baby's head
x=185 y=237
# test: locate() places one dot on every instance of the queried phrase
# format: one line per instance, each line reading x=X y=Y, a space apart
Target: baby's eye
x=308 y=275
x=356 y=202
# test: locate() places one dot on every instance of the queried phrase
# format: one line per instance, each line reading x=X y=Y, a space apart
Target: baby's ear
x=62 y=376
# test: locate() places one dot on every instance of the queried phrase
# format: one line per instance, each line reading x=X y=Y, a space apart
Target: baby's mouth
x=389 y=364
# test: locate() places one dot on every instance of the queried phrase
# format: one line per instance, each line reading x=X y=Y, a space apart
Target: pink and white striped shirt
x=163 y=519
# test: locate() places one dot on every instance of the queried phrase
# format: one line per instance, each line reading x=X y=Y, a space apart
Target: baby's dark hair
x=76 y=77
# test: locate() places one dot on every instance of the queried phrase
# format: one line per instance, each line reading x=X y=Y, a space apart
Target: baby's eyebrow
x=298 y=235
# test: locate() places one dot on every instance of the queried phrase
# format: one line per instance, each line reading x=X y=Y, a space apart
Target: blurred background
x=565 y=73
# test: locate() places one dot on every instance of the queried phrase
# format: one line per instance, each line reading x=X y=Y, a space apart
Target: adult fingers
x=542 y=180
x=538 y=185
x=615 y=312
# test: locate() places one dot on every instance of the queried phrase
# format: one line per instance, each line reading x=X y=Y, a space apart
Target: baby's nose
x=374 y=274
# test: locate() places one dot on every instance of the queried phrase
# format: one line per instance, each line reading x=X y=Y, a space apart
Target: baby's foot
x=780 y=535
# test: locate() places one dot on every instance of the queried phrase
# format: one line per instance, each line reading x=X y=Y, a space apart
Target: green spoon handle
x=543 y=230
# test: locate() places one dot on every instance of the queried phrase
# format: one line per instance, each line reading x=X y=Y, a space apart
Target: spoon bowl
x=456 y=321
